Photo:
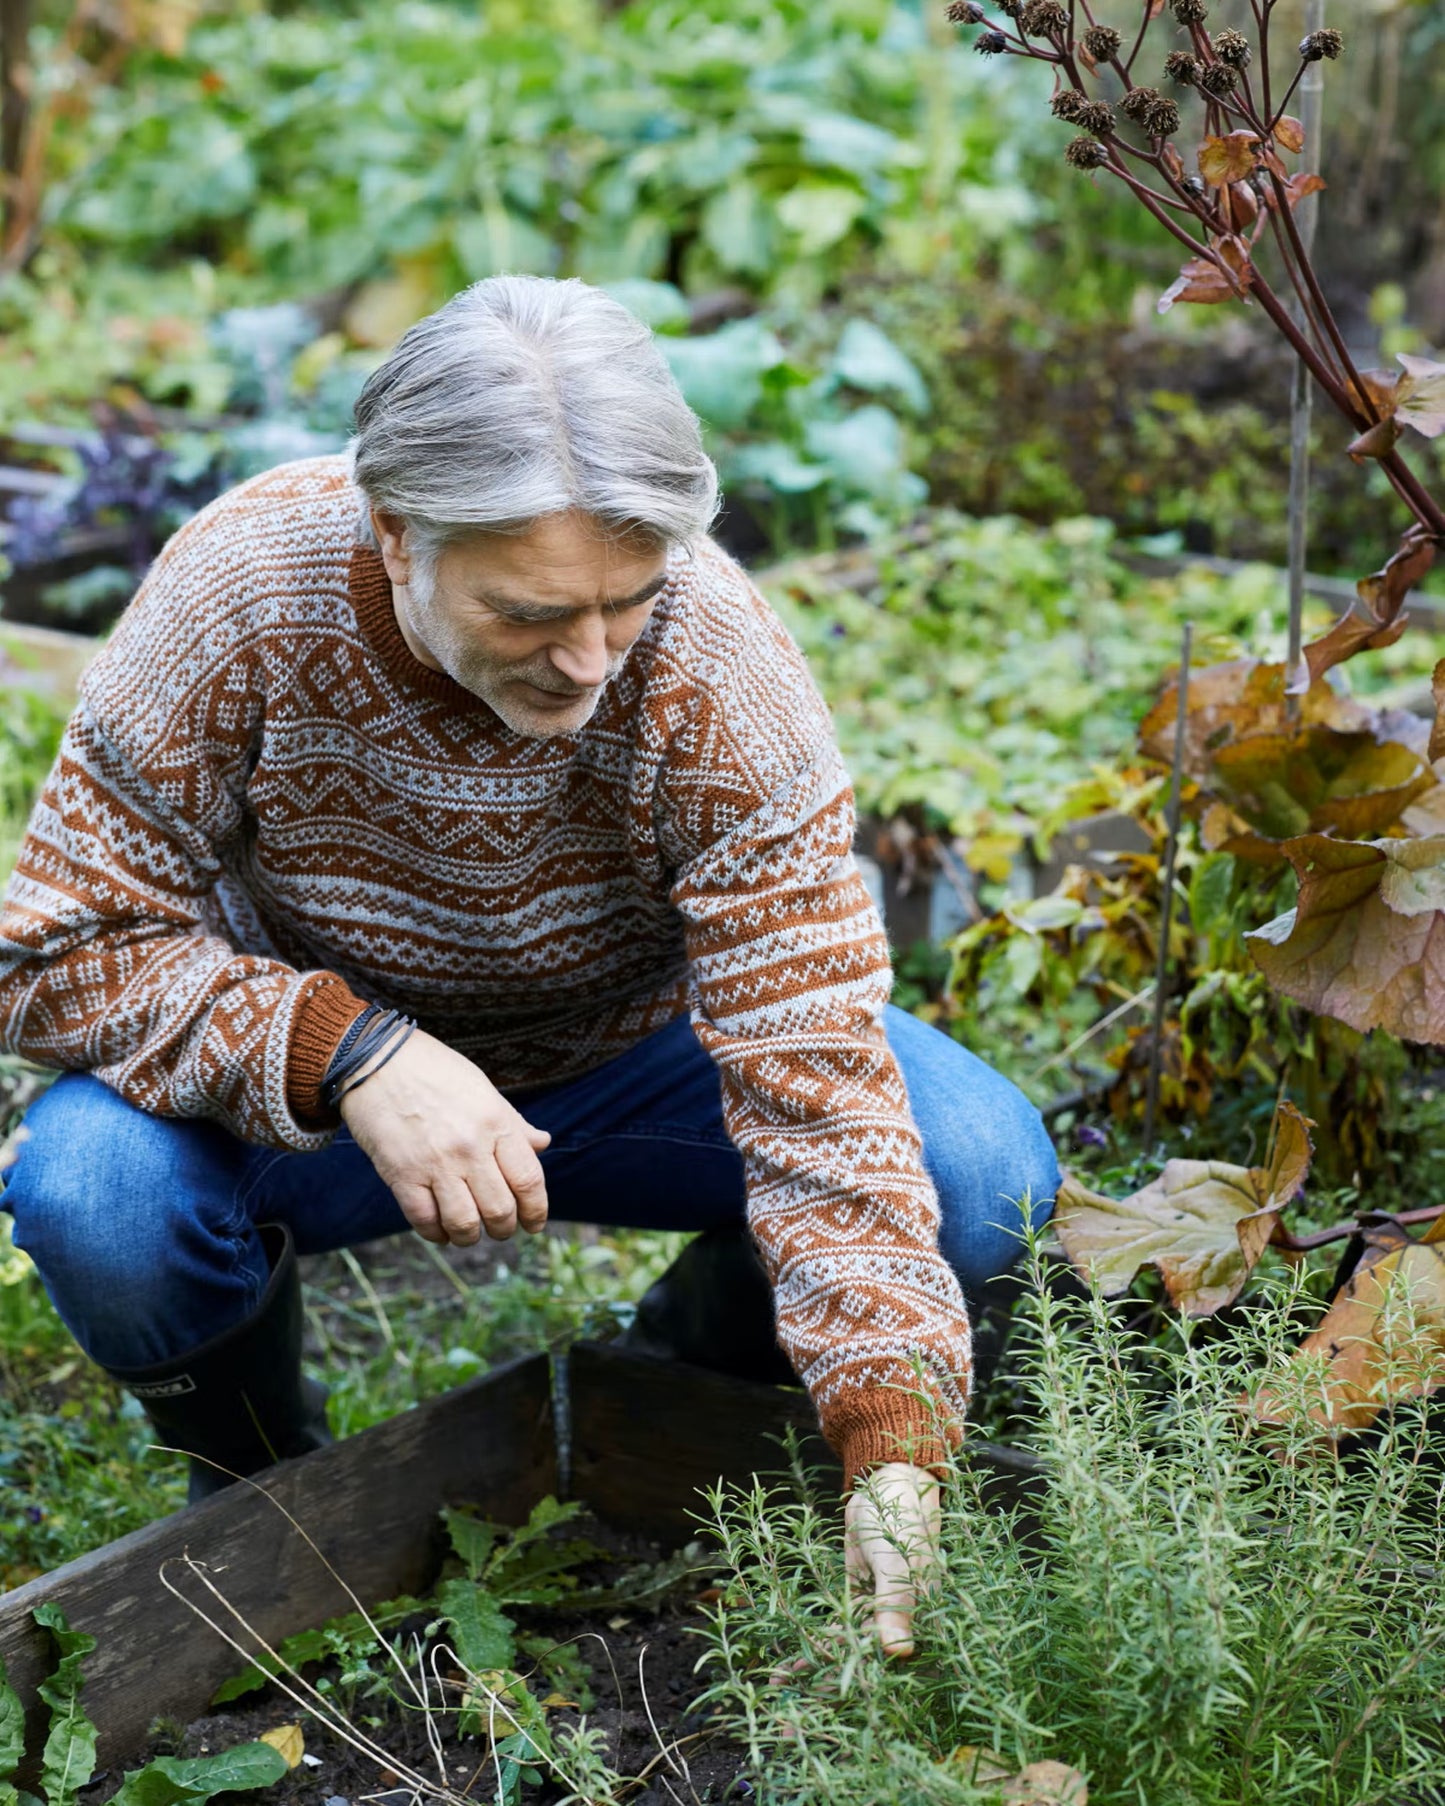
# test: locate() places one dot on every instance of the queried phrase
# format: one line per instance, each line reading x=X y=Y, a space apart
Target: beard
x=499 y=682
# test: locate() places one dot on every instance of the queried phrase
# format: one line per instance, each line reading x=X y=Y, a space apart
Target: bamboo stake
x=1311 y=92
x=1166 y=904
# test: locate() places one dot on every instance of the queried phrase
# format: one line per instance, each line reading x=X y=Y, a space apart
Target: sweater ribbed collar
x=370 y=590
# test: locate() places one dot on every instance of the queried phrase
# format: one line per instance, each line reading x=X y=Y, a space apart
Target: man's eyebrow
x=648 y=589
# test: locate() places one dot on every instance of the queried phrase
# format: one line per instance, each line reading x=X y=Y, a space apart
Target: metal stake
x=1166 y=905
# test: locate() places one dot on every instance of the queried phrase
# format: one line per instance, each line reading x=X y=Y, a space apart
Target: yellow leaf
x=288 y=1742
x=555 y=1702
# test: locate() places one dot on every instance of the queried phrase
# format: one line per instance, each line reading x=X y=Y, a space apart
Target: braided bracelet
x=408 y=1029
x=373 y=1030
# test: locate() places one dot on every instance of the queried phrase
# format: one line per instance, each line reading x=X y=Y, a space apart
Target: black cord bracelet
x=408 y=1029
x=373 y=1032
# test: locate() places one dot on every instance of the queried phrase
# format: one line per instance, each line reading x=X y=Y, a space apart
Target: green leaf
x=820 y=213
x=657 y=304
x=349 y=1636
x=68 y=1761
x=868 y=359
x=498 y=239
x=863 y=451
x=174 y=1781
x=721 y=373
x=737 y=227
x=482 y=1633
x=472 y=1540
x=12 y=1729
x=777 y=466
x=838 y=141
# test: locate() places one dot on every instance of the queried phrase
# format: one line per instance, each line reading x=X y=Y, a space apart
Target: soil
x=641 y=1666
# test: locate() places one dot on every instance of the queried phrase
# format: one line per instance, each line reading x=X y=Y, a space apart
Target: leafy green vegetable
x=174 y=1781
x=69 y=1757
x=348 y=1637
x=482 y=1633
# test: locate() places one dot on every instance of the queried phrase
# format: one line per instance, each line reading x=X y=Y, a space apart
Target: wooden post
x=15 y=77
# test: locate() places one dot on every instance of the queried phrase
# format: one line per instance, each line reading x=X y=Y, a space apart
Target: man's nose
x=581 y=655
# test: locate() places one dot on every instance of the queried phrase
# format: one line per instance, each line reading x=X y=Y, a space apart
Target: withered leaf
x=1205 y=283
x=1382 y=1339
x=1421 y=401
x=1378 y=388
x=1202 y=1223
x=1384 y=592
x=1173 y=162
x=1341 y=767
x=1437 y=732
x=1366 y=940
x=1039 y=1784
x=1377 y=441
x=1289 y=132
x=1228 y=159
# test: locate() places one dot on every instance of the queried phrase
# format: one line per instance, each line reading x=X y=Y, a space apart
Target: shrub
x=1185 y=1614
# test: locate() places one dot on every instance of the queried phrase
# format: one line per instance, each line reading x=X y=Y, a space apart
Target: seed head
x=966 y=12
x=1137 y=102
x=1321 y=44
x=1096 y=116
x=1161 y=120
x=1190 y=12
x=1101 y=42
x=1067 y=104
x=1218 y=79
x=1183 y=68
x=1044 y=18
x=990 y=43
x=1085 y=153
x=1011 y=8
x=1234 y=48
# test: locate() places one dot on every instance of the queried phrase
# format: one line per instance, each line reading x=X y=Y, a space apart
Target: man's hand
x=891 y=1546
x=457 y=1156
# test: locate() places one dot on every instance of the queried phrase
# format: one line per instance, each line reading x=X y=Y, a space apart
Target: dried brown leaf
x=1382 y=1339
x=1039 y=1784
x=1205 y=283
x=1377 y=441
x=1202 y=1223
x=1229 y=159
x=1437 y=732
x=1289 y=132
x=1366 y=941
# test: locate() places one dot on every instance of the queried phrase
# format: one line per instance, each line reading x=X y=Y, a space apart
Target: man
x=480 y=730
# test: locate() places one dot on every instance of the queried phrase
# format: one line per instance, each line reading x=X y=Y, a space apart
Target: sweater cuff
x=883 y=1426
x=322 y=1018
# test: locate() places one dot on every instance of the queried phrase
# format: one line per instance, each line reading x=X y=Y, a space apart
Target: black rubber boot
x=713 y=1308
x=240 y=1400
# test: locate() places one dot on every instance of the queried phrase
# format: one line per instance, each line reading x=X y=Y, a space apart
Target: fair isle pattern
x=265 y=812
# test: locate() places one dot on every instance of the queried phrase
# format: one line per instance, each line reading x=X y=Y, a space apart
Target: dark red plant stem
x=1413 y=492
x=1139 y=41
x=1340 y=1232
x=1312 y=282
x=1278 y=113
x=1323 y=342
x=1280 y=316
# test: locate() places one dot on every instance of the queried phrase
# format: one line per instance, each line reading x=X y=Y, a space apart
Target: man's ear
x=390 y=530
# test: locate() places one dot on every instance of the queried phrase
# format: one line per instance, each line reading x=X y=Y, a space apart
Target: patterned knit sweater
x=266 y=812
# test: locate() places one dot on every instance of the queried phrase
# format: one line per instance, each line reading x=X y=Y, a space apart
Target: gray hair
x=526 y=396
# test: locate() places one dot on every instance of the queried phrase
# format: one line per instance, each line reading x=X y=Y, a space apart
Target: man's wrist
x=318 y=1027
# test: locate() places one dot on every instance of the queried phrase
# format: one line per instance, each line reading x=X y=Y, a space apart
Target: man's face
x=536 y=623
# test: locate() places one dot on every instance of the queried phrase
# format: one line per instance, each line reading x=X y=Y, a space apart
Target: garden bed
x=634 y=1439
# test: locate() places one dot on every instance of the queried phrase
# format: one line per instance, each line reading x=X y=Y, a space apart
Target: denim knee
x=114 y=1206
x=985 y=1147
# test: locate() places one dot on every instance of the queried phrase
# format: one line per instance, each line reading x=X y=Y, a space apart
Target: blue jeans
x=144 y=1227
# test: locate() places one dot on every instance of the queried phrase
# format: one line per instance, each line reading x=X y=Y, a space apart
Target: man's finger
x=522 y=1171
x=892 y=1599
x=457 y=1210
x=419 y=1208
x=494 y=1199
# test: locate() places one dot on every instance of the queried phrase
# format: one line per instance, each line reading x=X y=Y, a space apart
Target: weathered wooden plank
x=370 y=1504
x=646 y=1435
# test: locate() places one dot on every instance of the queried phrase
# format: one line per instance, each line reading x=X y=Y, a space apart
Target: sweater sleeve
x=107 y=963
x=791 y=970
